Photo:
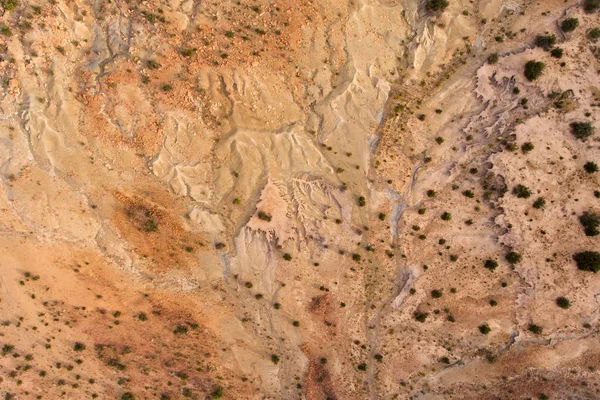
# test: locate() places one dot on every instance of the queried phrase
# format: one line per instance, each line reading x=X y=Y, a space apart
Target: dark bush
x=513 y=257
x=588 y=261
x=420 y=316
x=362 y=367
x=522 y=192
x=446 y=216
x=527 y=147
x=590 y=222
x=361 y=201
x=264 y=216
x=582 y=130
x=436 y=5
x=545 y=42
x=533 y=70
x=493 y=58
x=590 y=167
x=563 y=302
x=557 y=52
x=539 y=203
x=490 y=264
x=569 y=24
x=535 y=329
x=275 y=359
x=485 y=329
x=436 y=294
x=591 y=5
x=78 y=346
x=594 y=34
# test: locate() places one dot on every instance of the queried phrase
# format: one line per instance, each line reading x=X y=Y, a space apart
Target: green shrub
x=362 y=367
x=594 y=34
x=535 y=329
x=436 y=294
x=287 y=257
x=128 y=396
x=361 y=201
x=563 y=302
x=545 y=42
x=356 y=257
x=446 y=216
x=591 y=5
x=436 y=5
x=78 y=346
x=587 y=261
x=484 y=329
x=264 y=216
x=513 y=257
x=590 y=222
x=527 y=147
x=180 y=330
x=275 y=359
x=431 y=193
x=582 y=130
x=557 y=52
x=569 y=24
x=590 y=167
x=217 y=393
x=521 y=191
x=420 y=316
x=469 y=194
x=493 y=58
x=533 y=70
x=490 y=264
x=539 y=203
x=9 y=5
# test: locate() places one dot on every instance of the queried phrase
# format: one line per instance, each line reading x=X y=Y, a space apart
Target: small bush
x=9 y=5
x=557 y=52
x=469 y=194
x=490 y=264
x=591 y=5
x=582 y=130
x=431 y=193
x=217 y=393
x=78 y=346
x=513 y=257
x=590 y=222
x=594 y=34
x=287 y=257
x=533 y=70
x=527 y=147
x=493 y=58
x=590 y=167
x=420 y=316
x=569 y=24
x=151 y=64
x=362 y=367
x=446 y=216
x=563 y=302
x=436 y=5
x=128 y=396
x=539 y=203
x=361 y=201
x=264 y=216
x=180 y=330
x=436 y=294
x=545 y=42
x=588 y=261
x=535 y=329
x=275 y=359
x=356 y=257
x=522 y=192
x=484 y=329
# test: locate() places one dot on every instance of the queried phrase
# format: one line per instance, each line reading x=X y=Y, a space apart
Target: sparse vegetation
x=490 y=264
x=590 y=222
x=588 y=261
x=484 y=329
x=563 y=302
x=533 y=70
x=493 y=58
x=569 y=24
x=582 y=130
x=9 y=5
x=539 y=203
x=521 y=191
x=436 y=5
x=545 y=42
x=590 y=167
x=591 y=5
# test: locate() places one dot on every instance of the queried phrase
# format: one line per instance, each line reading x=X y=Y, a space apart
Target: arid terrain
x=325 y=199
